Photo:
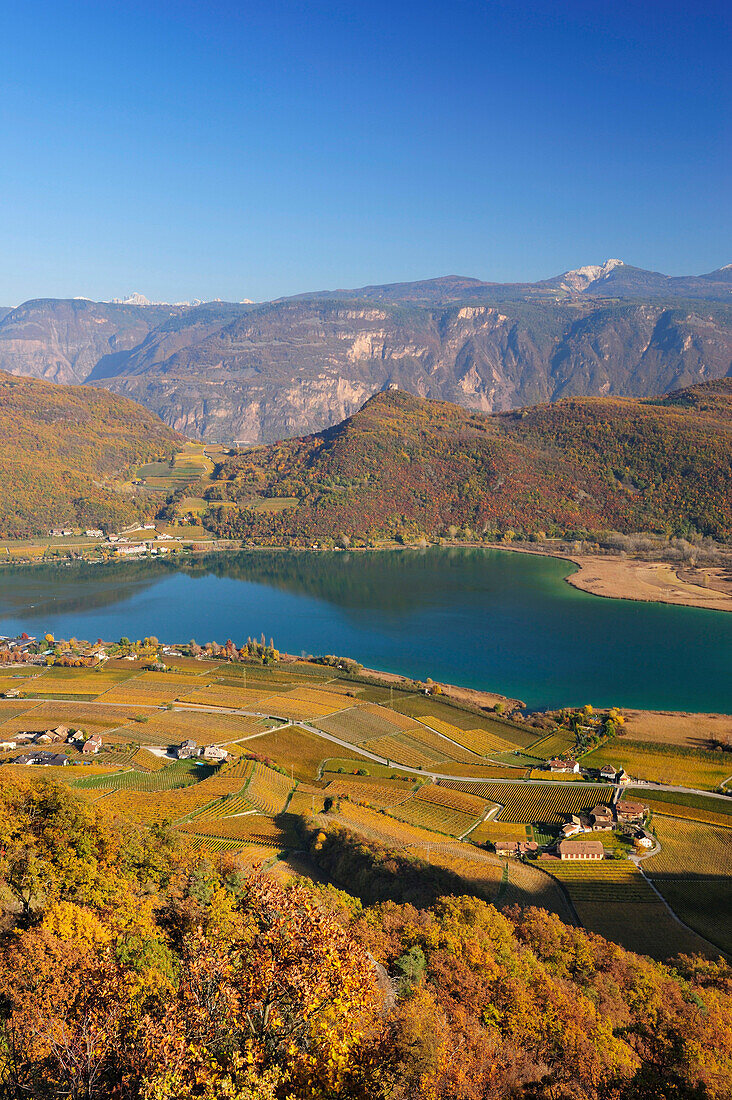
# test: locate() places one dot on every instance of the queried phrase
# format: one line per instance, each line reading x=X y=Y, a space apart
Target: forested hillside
x=404 y=467
x=64 y=450
x=134 y=967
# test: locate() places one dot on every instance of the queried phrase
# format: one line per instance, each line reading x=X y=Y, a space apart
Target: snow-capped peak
x=134 y=299
x=582 y=277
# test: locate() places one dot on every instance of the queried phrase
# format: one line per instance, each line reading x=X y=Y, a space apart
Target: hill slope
x=63 y=447
x=403 y=466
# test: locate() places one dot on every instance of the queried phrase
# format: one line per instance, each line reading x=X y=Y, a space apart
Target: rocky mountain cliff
x=255 y=373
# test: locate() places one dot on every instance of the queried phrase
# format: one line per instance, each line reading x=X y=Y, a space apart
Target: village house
x=644 y=839
x=580 y=849
x=213 y=752
x=92 y=744
x=572 y=827
x=515 y=847
x=6 y=746
x=608 y=772
x=558 y=765
x=43 y=759
x=628 y=811
x=76 y=737
x=601 y=817
x=186 y=750
x=94 y=533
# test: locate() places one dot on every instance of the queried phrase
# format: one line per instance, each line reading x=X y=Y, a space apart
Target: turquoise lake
x=488 y=619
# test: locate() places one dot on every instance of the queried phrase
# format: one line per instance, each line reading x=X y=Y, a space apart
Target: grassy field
x=691 y=731
x=693 y=871
x=662 y=765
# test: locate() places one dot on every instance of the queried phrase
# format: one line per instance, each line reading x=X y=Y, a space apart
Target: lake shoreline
x=605 y=575
x=635 y=579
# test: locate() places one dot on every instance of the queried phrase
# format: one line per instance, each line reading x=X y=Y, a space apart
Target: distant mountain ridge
x=259 y=372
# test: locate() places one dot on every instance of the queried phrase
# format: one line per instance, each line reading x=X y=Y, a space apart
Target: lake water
x=488 y=619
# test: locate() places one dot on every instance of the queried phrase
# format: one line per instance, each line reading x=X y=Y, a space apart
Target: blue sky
x=248 y=150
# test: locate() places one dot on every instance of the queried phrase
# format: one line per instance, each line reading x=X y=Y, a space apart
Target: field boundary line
x=672 y=913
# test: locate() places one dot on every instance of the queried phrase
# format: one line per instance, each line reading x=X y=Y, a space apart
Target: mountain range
x=257 y=372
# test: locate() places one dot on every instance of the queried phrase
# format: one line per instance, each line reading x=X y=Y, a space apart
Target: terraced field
x=693 y=871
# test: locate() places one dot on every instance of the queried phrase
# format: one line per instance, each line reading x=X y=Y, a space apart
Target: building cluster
x=571 y=843
x=76 y=739
x=560 y=766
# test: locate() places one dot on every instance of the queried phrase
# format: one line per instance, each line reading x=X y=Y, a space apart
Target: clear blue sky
x=253 y=149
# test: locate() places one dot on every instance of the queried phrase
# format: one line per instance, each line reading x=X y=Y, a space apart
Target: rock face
x=61 y=340
x=255 y=373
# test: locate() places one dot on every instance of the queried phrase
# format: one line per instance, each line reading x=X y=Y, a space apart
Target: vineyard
x=694 y=807
x=479 y=741
x=679 y=768
x=236 y=698
x=360 y=723
x=614 y=899
x=693 y=871
x=527 y=803
x=556 y=744
x=375 y=794
x=179 y=774
x=267 y=789
x=253 y=828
